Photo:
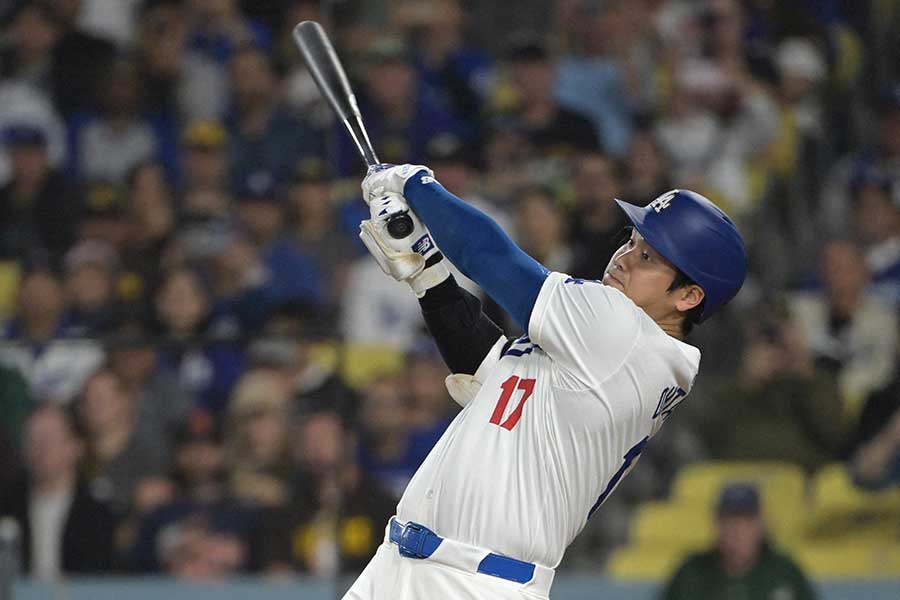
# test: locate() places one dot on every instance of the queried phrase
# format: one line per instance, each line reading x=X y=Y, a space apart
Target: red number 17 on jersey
x=508 y=387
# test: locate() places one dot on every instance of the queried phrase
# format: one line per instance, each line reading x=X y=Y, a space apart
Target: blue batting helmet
x=696 y=236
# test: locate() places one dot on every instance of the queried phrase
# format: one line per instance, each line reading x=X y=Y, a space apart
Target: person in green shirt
x=742 y=565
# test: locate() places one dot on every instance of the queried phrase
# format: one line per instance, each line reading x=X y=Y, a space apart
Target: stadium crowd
x=192 y=368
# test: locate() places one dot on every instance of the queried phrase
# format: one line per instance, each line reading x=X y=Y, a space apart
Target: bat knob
x=400 y=226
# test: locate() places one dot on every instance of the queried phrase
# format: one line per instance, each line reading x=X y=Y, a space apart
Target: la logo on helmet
x=663 y=201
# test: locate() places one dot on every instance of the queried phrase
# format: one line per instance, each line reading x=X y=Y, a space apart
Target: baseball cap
x=205 y=135
x=800 y=57
x=738 y=498
x=103 y=199
x=870 y=176
x=24 y=134
x=386 y=50
x=254 y=394
x=449 y=147
x=311 y=170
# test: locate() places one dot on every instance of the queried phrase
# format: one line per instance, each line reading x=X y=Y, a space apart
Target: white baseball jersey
x=560 y=418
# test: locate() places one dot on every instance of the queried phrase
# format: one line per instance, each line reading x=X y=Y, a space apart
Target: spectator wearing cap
x=222 y=28
x=450 y=64
x=262 y=134
x=743 y=563
x=204 y=156
x=876 y=215
x=65 y=529
x=117 y=458
x=261 y=213
x=203 y=532
x=259 y=430
x=37 y=208
x=290 y=334
x=541 y=229
x=32 y=30
x=40 y=343
x=110 y=143
x=553 y=129
x=91 y=269
x=336 y=519
x=316 y=228
x=400 y=112
x=201 y=353
x=104 y=215
x=882 y=154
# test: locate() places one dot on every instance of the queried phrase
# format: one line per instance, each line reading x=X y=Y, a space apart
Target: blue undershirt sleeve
x=478 y=247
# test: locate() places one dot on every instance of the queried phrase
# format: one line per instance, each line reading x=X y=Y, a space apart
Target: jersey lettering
x=630 y=458
x=668 y=400
x=508 y=387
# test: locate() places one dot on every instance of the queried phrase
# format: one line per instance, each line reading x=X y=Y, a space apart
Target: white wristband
x=429 y=278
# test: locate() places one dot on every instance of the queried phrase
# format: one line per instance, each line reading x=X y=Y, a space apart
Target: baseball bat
x=328 y=73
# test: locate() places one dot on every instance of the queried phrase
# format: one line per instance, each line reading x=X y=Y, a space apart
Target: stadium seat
x=782 y=487
x=362 y=363
x=848 y=560
x=672 y=525
x=9 y=287
x=842 y=510
x=644 y=562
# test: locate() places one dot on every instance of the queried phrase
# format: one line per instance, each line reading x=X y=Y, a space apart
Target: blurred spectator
x=257 y=448
x=743 y=563
x=16 y=403
x=876 y=214
x=118 y=138
x=203 y=533
x=117 y=457
x=882 y=154
x=220 y=29
x=36 y=205
x=448 y=61
x=718 y=120
x=204 y=157
x=261 y=212
x=54 y=365
x=288 y=345
x=554 y=130
x=596 y=221
x=850 y=332
x=337 y=520
x=103 y=214
x=160 y=402
x=540 y=230
x=315 y=227
x=388 y=450
x=207 y=365
x=64 y=529
x=91 y=269
x=779 y=407
x=263 y=136
x=378 y=310
x=400 y=112
x=431 y=408
x=31 y=34
x=648 y=172
x=599 y=80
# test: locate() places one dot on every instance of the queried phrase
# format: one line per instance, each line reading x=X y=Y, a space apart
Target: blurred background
x=203 y=377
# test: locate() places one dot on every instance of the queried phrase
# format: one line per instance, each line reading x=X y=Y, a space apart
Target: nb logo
x=664 y=201
x=423 y=245
x=426 y=179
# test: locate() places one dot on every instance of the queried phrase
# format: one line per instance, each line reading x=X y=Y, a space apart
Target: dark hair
x=691 y=317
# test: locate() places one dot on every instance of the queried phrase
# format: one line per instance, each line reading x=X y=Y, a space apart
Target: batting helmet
x=696 y=236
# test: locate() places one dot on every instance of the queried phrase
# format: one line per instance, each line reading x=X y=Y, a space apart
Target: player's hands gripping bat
x=328 y=73
x=415 y=258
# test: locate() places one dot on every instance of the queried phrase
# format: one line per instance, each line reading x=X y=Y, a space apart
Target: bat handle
x=400 y=225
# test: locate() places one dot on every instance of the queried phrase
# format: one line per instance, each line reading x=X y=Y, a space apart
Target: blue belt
x=417 y=541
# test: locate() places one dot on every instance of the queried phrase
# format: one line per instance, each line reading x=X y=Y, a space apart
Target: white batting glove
x=391 y=180
x=414 y=259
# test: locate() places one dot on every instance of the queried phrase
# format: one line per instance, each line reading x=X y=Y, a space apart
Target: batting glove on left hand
x=414 y=259
x=390 y=180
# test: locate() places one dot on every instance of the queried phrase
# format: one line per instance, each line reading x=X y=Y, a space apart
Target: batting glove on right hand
x=390 y=180
x=415 y=258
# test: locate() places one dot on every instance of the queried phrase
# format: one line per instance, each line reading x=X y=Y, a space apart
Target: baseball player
x=553 y=420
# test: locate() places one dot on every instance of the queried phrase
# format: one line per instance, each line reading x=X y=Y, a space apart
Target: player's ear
x=689 y=296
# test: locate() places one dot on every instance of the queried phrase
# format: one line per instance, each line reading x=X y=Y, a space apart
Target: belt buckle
x=412 y=538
